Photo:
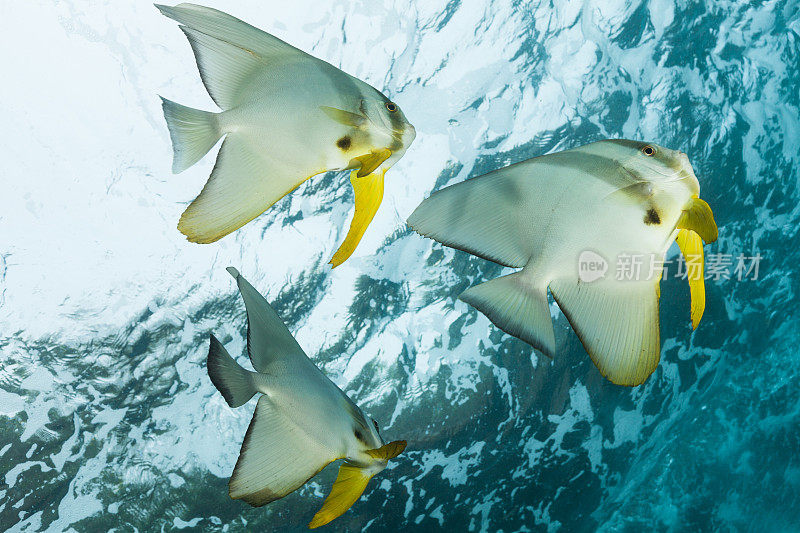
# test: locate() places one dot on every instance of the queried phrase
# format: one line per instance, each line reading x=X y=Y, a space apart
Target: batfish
x=302 y=421
x=286 y=116
x=550 y=216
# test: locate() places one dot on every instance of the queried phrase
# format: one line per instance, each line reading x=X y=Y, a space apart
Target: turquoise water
x=108 y=420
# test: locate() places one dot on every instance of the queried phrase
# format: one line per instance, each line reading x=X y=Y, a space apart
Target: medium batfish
x=610 y=199
x=301 y=423
x=286 y=116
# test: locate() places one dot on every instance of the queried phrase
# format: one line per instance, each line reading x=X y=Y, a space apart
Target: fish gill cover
x=108 y=420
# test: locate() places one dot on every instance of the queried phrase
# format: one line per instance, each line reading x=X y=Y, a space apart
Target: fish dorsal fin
x=224 y=68
x=617 y=323
x=227 y=49
x=388 y=451
x=348 y=487
x=369 y=195
x=224 y=27
x=699 y=218
x=478 y=216
x=277 y=457
x=268 y=339
x=692 y=249
x=507 y=214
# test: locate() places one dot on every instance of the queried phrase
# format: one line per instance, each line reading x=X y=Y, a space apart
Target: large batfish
x=587 y=207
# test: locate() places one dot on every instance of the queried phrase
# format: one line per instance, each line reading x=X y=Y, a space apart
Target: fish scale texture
x=107 y=417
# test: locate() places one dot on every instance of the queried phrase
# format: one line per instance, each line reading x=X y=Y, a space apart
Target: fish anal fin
x=242 y=185
x=369 y=195
x=348 y=487
x=277 y=457
x=388 y=451
x=518 y=306
x=691 y=247
x=617 y=323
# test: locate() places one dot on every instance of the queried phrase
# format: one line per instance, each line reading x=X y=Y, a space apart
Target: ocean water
x=108 y=421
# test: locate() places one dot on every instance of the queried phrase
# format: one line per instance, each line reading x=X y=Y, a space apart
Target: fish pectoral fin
x=617 y=323
x=242 y=185
x=277 y=457
x=369 y=194
x=692 y=249
x=635 y=193
x=347 y=118
x=388 y=451
x=348 y=487
x=699 y=218
x=371 y=161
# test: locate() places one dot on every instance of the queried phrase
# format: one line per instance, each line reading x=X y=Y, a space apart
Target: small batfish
x=302 y=421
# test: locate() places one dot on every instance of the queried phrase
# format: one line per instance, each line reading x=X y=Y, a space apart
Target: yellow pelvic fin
x=699 y=218
x=344 y=117
x=347 y=488
x=371 y=161
x=388 y=451
x=692 y=249
x=369 y=194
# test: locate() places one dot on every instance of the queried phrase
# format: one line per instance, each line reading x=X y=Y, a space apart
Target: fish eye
x=648 y=150
x=391 y=107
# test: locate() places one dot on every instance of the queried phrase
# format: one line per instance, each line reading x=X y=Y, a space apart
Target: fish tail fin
x=193 y=133
x=518 y=306
x=236 y=384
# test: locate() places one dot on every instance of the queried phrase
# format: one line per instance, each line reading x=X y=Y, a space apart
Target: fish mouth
x=405 y=135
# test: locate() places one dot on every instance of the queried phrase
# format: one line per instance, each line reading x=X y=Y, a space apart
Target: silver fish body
x=302 y=422
x=610 y=199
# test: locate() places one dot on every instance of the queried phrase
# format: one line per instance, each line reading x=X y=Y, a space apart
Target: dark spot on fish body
x=652 y=217
x=359 y=435
x=344 y=143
